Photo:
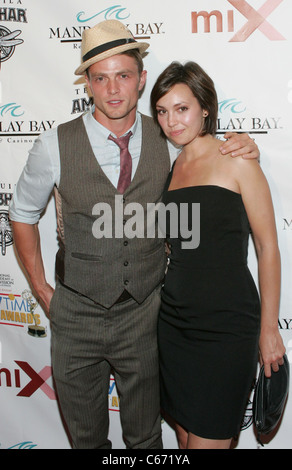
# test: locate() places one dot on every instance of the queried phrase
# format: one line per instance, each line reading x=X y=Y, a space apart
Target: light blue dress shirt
x=42 y=170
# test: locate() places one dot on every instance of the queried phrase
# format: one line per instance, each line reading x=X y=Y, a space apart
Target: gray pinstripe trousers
x=88 y=343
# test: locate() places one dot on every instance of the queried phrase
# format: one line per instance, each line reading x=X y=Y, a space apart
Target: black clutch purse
x=269 y=398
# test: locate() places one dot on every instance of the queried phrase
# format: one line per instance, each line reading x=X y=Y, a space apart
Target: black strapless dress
x=209 y=321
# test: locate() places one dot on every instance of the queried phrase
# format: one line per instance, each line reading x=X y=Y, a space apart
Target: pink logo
x=256 y=20
x=38 y=380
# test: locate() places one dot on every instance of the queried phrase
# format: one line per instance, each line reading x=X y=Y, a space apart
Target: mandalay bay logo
x=234 y=116
x=16 y=129
x=72 y=35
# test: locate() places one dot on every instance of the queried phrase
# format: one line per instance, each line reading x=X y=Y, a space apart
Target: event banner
x=245 y=46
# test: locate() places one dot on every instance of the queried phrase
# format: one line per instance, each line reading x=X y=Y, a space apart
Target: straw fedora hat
x=104 y=40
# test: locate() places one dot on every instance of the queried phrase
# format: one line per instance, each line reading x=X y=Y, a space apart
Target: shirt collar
x=102 y=129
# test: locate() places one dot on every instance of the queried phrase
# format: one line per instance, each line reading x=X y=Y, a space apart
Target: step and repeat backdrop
x=245 y=46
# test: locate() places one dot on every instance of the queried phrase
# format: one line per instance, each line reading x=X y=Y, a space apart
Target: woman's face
x=180 y=115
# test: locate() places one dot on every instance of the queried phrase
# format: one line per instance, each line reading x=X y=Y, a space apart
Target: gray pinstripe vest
x=101 y=268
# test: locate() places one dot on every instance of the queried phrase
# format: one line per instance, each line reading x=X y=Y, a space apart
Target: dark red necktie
x=125 y=161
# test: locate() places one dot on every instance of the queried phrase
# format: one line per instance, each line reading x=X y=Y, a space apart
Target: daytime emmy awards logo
x=35 y=330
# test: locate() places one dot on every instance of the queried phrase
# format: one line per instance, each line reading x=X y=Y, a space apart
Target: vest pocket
x=85 y=256
x=154 y=250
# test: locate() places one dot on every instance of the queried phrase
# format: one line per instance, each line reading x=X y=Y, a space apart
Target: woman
x=211 y=323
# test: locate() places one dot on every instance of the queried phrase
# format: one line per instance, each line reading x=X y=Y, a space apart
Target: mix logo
x=257 y=20
x=37 y=380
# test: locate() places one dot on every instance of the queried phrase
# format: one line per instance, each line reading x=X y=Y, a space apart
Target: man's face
x=115 y=85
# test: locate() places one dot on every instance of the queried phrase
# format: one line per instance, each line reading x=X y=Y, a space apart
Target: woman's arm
x=259 y=207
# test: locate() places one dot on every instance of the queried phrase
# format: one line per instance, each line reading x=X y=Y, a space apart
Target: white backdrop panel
x=38 y=90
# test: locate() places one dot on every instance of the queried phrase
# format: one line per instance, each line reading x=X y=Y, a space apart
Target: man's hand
x=44 y=295
x=27 y=243
x=239 y=145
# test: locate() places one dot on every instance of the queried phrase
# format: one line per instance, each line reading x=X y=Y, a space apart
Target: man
x=107 y=296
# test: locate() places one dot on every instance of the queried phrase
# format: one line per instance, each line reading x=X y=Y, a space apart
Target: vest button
x=126 y=282
x=126 y=263
x=126 y=242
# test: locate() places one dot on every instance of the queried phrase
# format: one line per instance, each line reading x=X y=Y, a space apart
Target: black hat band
x=105 y=47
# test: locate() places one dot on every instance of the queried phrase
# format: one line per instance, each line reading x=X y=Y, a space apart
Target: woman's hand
x=272 y=351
